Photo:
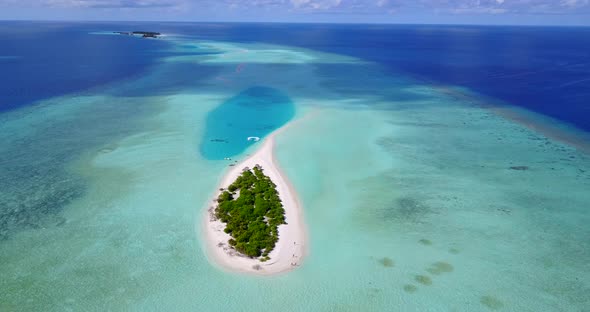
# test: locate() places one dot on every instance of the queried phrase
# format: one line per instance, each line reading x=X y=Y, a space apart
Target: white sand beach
x=291 y=247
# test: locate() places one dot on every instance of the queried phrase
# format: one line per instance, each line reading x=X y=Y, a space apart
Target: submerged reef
x=440 y=267
x=492 y=303
x=520 y=168
x=386 y=262
x=409 y=288
x=35 y=184
x=423 y=279
x=425 y=242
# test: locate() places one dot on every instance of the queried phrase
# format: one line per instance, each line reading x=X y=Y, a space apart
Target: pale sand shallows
x=291 y=247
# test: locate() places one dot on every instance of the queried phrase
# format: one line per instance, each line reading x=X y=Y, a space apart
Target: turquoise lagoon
x=253 y=113
x=415 y=200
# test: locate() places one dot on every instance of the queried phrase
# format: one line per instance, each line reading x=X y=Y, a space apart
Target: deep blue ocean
x=543 y=69
x=42 y=60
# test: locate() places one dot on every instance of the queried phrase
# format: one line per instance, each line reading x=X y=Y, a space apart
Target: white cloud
x=382 y=3
x=574 y=3
x=334 y=6
x=316 y=4
x=98 y=3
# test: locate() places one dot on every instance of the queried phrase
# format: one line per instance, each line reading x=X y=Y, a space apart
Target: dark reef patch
x=423 y=279
x=425 y=242
x=440 y=267
x=409 y=288
x=519 y=168
x=387 y=262
x=407 y=209
x=491 y=302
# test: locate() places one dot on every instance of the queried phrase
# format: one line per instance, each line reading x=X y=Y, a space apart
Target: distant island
x=143 y=34
x=252 y=219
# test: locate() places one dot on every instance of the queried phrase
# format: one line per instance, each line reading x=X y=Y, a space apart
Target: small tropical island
x=255 y=224
x=252 y=218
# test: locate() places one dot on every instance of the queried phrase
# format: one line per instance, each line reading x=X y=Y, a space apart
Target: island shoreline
x=291 y=247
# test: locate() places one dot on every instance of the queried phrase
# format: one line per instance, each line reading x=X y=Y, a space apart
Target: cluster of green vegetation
x=253 y=218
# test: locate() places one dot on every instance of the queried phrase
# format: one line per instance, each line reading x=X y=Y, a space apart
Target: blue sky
x=514 y=12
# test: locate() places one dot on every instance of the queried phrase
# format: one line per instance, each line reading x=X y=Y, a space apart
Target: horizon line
x=294 y=22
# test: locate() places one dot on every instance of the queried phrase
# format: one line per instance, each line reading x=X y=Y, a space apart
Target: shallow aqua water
x=254 y=112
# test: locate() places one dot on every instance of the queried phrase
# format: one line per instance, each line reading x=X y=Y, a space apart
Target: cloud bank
x=448 y=11
x=350 y=6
